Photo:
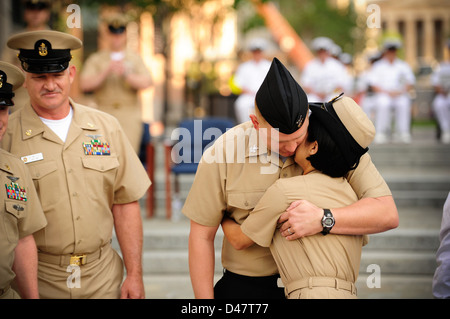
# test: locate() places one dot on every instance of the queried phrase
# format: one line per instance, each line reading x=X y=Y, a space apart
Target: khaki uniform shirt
x=232 y=177
x=115 y=96
x=335 y=256
x=20 y=214
x=77 y=188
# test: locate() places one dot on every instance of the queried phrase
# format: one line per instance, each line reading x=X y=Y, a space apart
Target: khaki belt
x=72 y=259
x=312 y=282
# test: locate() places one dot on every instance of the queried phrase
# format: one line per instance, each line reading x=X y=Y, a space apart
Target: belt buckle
x=78 y=260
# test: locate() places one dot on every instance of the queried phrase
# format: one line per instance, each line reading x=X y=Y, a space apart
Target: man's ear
x=254 y=120
x=72 y=73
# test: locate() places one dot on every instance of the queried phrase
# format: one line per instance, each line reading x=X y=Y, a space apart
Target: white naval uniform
x=391 y=77
x=441 y=103
x=327 y=78
x=249 y=76
x=368 y=100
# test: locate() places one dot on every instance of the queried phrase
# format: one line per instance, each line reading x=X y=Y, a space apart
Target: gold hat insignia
x=43 y=49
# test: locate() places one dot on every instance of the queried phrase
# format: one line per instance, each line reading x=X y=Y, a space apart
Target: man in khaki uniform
x=115 y=75
x=316 y=266
x=21 y=213
x=226 y=184
x=36 y=16
x=87 y=175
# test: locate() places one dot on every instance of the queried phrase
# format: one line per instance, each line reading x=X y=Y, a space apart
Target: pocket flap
x=244 y=200
x=101 y=163
x=40 y=170
x=15 y=208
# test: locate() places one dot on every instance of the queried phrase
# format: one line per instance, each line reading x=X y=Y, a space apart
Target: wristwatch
x=327 y=221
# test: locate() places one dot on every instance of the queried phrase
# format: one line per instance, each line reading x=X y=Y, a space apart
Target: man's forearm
x=128 y=226
x=366 y=216
x=202 y=260
x=25 y=267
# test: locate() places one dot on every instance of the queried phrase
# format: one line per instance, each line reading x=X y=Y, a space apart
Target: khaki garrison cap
x=347 y=124
x=44 y=51
x=11 y=78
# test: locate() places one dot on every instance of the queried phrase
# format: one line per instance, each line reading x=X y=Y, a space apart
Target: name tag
x=32 y=158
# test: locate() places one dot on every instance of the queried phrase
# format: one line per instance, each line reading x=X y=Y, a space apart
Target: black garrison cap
x=44 y=51
x=11 y=78
x=281 y=100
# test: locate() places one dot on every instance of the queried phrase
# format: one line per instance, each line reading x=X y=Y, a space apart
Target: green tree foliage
x=313 y=18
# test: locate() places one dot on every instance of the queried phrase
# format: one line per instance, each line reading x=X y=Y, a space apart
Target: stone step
x=400 y=262
x=420 y=198
x=414 y=262
x=164 y=286
x=390 y=262
x=404 y=240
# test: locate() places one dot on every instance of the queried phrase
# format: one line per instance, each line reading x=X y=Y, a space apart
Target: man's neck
x=53 y=114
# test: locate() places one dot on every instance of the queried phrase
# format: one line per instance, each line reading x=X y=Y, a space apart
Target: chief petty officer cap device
x=44 y=51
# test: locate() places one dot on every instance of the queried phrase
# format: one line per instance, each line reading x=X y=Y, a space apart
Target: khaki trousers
x=100 y=279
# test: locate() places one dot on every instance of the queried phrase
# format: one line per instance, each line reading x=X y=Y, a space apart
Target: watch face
x=328 y=222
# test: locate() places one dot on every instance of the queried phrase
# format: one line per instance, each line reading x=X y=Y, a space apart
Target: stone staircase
x=396 y=264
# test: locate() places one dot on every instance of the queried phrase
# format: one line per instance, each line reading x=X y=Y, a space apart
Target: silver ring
x=289 y=231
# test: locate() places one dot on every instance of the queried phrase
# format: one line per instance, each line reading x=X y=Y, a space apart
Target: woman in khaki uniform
x=115 y=75
x=20 y=212
x=316 y=266
x=87 y=175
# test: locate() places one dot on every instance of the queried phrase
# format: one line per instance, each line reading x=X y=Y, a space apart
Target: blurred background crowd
x=194 y=51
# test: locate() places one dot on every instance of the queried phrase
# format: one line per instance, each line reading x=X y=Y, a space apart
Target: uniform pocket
x=240 y=204
x=14 y=211
x=100 y=175
x=244 y=200
x=41 y=170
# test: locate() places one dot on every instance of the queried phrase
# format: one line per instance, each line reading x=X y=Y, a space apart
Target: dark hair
x=329 y=158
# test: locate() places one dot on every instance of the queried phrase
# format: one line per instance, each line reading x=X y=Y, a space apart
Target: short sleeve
x=366 y=181
x=205 y=203
x=262 y=221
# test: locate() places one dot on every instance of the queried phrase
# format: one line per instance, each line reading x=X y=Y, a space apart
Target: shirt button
x=284 y=175
x=246 y=203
